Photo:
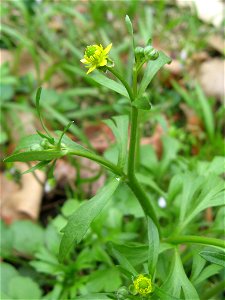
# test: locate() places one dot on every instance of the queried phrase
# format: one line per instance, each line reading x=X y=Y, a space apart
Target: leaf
x=178 y=281
x=119 y=127
x=152 y=68
x=136 y=254
x=207 y=272
x=123 y=261
x=209 y=194
x=153 y=244
x=7 y=273
x=24 y=288
x=110 y=84
x=142 y=102
x=215 y=257
x=38 y=166
x=37 y=101
x=36 y=155
x=164 y=295
x=81 y=220
x=129 y=25
x=28 y=237
x=28 y=141
x=106 y=280
x=97 y=296
x=206 y=111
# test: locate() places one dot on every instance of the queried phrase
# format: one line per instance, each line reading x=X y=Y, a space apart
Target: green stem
x=106 y=163
x=195 y=240
x=143 y=199
x=133 y=140
x=124 y=82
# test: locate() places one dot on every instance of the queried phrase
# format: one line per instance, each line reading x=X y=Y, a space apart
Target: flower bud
x=151 y=53
x=139 y=53
x=122 y=293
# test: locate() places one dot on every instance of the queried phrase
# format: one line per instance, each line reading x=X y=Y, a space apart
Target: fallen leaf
x=21 y=200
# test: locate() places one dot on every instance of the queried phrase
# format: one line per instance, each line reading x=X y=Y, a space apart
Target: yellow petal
x=107 y=49
x=103 y=63
x=84 y=61
x=91 y=69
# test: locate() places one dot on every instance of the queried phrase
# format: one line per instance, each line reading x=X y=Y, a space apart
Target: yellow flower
x=143 y=285
x=96 y=56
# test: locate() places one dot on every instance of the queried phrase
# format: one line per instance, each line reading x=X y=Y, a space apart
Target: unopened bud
x=151 y=53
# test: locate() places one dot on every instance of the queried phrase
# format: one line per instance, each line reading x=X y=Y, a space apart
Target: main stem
x=131 y=178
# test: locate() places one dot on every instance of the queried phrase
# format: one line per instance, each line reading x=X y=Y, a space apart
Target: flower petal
x=91 y=69
x=103 y=63
x=108 y=48
x=84 y=61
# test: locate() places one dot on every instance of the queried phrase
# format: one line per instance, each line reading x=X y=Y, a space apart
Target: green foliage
x=105 y=244
x=81 y=220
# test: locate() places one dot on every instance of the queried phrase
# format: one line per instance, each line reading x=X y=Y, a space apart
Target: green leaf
x=24 y=288
x=36 y=155
x=129 y=25
x=142 y=102
x=81 y=220
x=7 y=273
x=177 y=281
x=28 y=141
x=110 y=84
x=123 y=261
x=153 y=244
x=96 y=296
x=152 y=68
x=199 y=194
x=106 y=280
x=38 y=166
x=28 y=237
x=135 y=253
x=37 y=101
x=207 y=113
x=119 y=127
x=215 y=257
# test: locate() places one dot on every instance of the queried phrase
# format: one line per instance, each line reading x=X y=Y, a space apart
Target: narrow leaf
x=153 y=243
x=215 y=257
x=38 y=166
x=152 y=68
x=110 y=84
x=81 y=220
x=35 y=155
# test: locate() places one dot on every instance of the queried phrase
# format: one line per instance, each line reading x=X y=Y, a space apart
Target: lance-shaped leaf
x=110 y=84
x=152 y=68
x=215 y=257
x=36 y=155
x=81 y=220
x=153 y=242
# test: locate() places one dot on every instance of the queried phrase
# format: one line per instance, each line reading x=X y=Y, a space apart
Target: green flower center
x=90 y=51
x=143 y=284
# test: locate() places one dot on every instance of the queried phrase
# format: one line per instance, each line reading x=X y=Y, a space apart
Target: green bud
x=151 y=53
x=122 y=293
x=45 y=144
x=139 y=53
